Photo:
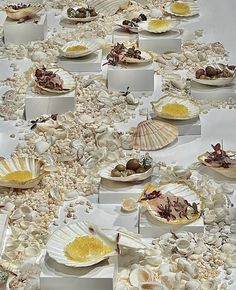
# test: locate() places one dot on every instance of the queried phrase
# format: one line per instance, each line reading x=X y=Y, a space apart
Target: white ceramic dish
x=220 y=82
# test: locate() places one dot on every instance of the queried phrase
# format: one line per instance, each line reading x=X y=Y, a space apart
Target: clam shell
x=193 y=6
x=153 y=135
x=129 y=204
x=227 y=172
x=22 y=13
x=67 y=234
x=106 y=173
x=68 y=81
x=193 y=109
x=145 y=26
x=35 y=166
x=92 y=46
x=109 y=7
x=180 y=189
x=76 y=19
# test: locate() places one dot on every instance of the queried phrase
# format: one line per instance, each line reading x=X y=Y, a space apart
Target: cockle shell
x=153 y=135
x=22 y=13
x=109 y=7
x=139 y=275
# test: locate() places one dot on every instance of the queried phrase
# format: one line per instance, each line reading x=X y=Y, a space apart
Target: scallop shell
x=193 y=108
x=76 y=19
x=92 y=46
x=180 y=189
x=193 y=6
x=22 y=13
x=68 y=81
x=139 y=275
x=35 y=166
x=172 y=24
x=129 y=204
x=227 y=172
x=67 y=234
x=153 y=135
x=109 y=7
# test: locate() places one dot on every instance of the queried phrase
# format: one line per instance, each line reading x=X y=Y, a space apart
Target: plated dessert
x=122 y=54
x=78 y=48
x=215 y=75
x=182 y=8
x=175 y=108
x=131 y=170
x=81 y=14
x=223 y=162
x=158 y=25
x=21 y=11
x=55 y=80
x=172 y=203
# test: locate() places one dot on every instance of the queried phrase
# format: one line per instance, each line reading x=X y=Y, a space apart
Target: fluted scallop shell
x=91 y=46
x=106 y=173
x=153 y=135
x=67 y=234
x=109 y=7
x=22 y=13
x=76 y=19
x=180 y=189
x=145 y=26
x=193 y=6
x=227 y=172
x=10 y=165
x=68 y=81
x=193 y=108
x=146 y=57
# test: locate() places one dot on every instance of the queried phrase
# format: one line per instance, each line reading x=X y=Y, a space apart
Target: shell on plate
x=170 y=24
x=109 y=7
x=153 y=135
x=68 y=81
x=193 y=109
x=193 y=8
x=77 y=19
x=27 y=12
x=63 y=236
x=89 y=46
x=10 y=168
x=227 y=172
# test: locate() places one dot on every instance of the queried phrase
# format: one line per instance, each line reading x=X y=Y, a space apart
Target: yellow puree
x=75 y=48
x=158 y=23
x=180 y=8
x=175 y=110
x=19 y=176
x=86 y=248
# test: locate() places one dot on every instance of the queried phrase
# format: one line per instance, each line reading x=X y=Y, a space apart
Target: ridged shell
x=193 y=109
x=180 y=189
x=172 y=24
x=76 y=19
x=68 y=81
x=20 y=164
x=22 y=13
x=109 y=7
x=91 y=47
x=193 y=6
x=67 y=234
x=153 y=135
x=227 y=172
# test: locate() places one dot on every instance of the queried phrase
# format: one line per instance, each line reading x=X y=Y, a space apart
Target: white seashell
x=193 y=285
x=139 y=275
x=86 y=119
x=70 y=195
x=122 y=285
x=228 y=248
x=161 y=60
x=191 y=56
x=129 y=204
x=179 y=84
x=185 y=266
x=194 y=10
x=54 y=194
x=153 y=135
x=153 y=260
x=41 y=147
x=32 y=251
x=152 y=286
x=163 y=268
x=171 y=25
x=9 y=206
x=106 y=7
x=209 y=285
x=131 y=100
x=155 y=13
x=25 y=209
x=90 y=44
x=169 y=279
x=126 y=141
x=22 y=13
x=184 y=247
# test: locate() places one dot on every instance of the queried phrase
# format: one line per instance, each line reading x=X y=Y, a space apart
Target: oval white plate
x=157 y=106
x=193 y=6
x=172 y=24
x=87 y=19
x=220 y=82
x=126 y=27
x=91 y=45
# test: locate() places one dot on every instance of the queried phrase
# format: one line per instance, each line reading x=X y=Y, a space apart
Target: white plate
x=193 y=6
x=172 y=24
x=220 y=82
x=127 y=27
x=91 y=45
x=87 y=19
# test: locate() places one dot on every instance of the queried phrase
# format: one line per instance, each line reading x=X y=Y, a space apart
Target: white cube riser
x=25 y=32
x=136 y=77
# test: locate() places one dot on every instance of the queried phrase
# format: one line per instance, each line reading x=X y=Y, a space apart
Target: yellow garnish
x=175 y=110
x=75 y=48
x=158 y=23
x=180 y=8
x=19 y=176
x=86 y=248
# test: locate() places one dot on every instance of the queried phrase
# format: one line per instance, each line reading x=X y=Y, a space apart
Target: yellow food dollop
x=86 y=248
x=175 y=110
x=158 y=23
x=75 y=48
x=19 y=176
x=180 y=8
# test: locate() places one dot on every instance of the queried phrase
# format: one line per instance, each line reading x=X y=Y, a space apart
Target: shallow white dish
x=127 y=28
x=145 y=26
x=193 y=108
x=220 y=82
x=76 y=19
x=193 y=6
x=92 y=46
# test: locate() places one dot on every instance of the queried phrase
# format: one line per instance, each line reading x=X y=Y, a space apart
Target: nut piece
x=199 y=73
x=133 y=164
x=115 y=173
x=210 y=71
x=120 y=167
